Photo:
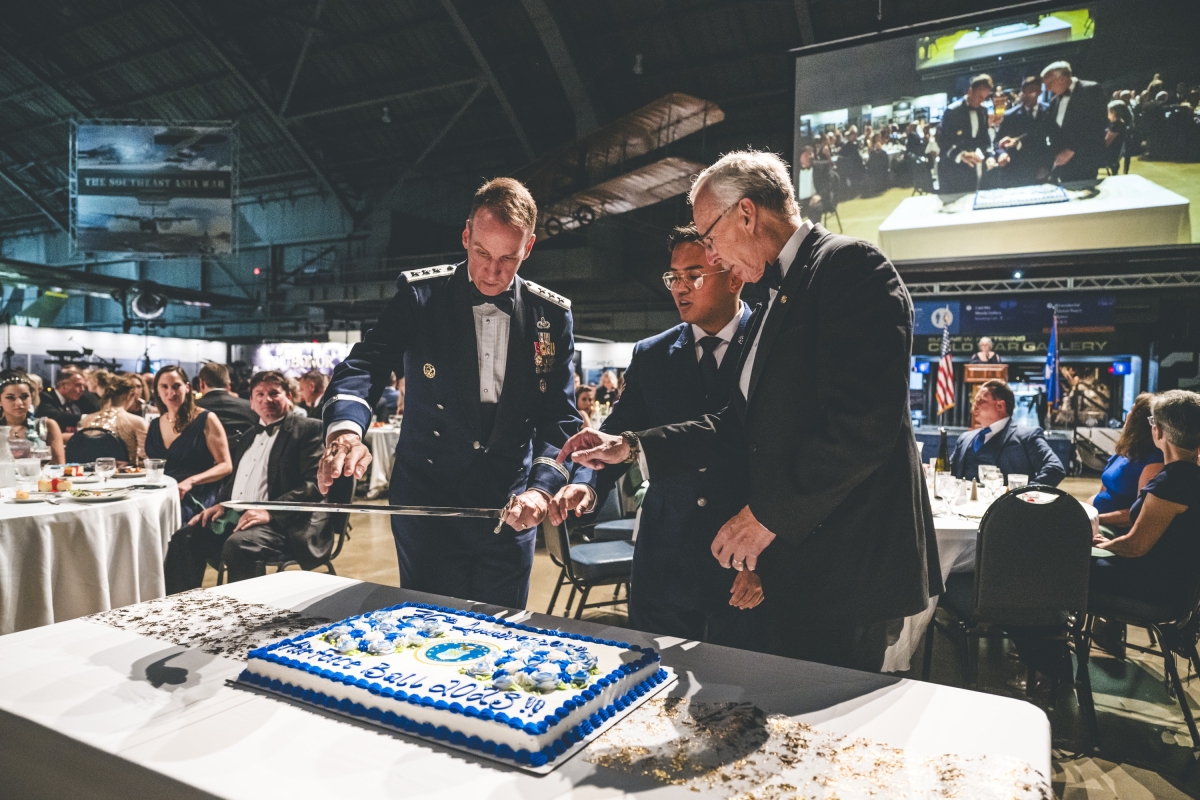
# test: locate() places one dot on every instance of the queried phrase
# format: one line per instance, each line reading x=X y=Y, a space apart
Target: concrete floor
x=1146 y=748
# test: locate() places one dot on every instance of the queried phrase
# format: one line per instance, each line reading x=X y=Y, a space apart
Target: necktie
x=772 y=276
x=502 y=301
x=708 y=363
x=267 y=429
x=977 y=445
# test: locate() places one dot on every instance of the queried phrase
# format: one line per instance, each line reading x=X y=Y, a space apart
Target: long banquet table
x=58 y=562
x=91 y=709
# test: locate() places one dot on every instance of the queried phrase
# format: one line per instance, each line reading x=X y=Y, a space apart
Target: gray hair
x=761 y=177
x=1177 y=415
x=1057 y=68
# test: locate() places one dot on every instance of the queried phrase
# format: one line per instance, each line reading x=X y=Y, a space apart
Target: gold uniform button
x=702 y=502
x=436 y=433
x=783 y=298
x=429 y=371
x=476 y=445
x=441 y=407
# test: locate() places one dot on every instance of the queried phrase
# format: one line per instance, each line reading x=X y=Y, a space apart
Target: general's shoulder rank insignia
x=543 y=353
x=546 y=294
x=424 y=274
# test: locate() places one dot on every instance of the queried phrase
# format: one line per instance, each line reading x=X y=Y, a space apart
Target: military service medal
x=543 y=353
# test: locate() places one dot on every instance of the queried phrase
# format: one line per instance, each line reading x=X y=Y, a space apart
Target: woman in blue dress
x=191 y=440
x=1128 y=471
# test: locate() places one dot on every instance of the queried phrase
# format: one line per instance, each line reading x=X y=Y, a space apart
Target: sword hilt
x=512 y=499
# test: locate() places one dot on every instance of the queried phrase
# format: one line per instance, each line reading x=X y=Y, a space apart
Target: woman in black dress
x=986 y=354
x=191 y=440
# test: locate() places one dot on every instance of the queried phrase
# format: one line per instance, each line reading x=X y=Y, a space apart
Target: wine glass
x=105 y=467
x=43 y=455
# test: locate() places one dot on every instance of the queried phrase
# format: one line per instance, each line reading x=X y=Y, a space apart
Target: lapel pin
x=783 y=298
x=429 y=371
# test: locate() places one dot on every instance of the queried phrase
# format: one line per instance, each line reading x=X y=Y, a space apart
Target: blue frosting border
x=442 y=733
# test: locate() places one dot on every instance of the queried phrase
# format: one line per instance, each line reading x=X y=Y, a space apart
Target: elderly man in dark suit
x=963 y=139
x=275 y=460
x=677 y=588
x=64 y=403
x=838 y=523
x=1078 y=118
x=1023 y=147
x=235 y=413
x=1001 y=443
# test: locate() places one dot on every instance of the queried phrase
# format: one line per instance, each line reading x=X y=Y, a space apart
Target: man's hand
x=594 y=449
x=740 y=540
x=971 y=158
x=990 y=163
x=207 y=515
x=1006 y=142
x=255 y=516
x=1003 y=159
x=527 y=510
x=747 y=591
x=1063 y=157
x=573 y=497
x=346 y=455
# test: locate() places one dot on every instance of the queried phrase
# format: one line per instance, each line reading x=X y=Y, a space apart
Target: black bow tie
x=772 y=277
x=267 y=429
x=502 y=301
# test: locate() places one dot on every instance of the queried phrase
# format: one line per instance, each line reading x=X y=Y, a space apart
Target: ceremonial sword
x=351 y=508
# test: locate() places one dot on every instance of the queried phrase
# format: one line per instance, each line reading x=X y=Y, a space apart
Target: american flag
x=945 y=380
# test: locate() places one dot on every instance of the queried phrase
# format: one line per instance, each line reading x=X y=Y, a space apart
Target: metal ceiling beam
x=486 y=69
x=308 y=37
x=560 y=58
x=124 y=60
x=383 y=99
x=12 y=180
x=43 y=79
x=268 y=111
x=1148 y=280
x=804 y=20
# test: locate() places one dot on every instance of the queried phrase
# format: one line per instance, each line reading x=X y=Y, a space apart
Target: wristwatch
x=635 y=447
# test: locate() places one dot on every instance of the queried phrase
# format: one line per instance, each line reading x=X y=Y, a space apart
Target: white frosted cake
x=506 y=690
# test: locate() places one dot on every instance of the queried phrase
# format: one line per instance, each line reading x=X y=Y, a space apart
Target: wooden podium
x=975 y=374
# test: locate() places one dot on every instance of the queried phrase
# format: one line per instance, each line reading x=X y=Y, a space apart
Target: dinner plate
x=22 y=501
x=101 y=498
x=86 y=479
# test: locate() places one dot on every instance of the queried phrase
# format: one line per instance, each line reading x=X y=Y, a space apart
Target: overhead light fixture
x=1017 y=275
x=386 y=116
x=147 y=305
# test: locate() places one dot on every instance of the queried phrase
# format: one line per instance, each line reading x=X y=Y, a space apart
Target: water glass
x=43 y=455
x=1016 y=481
x=394 y=420
x=947 y=486
x=154 y=469
x=28 y=470
x=104 y=468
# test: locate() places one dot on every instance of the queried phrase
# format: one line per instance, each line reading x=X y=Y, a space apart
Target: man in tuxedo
x=64 y=403
x=1000 y=443
x=1023 y=154
x=275 y=460
x=963 y=139
x=235 y=414
x=1078 y=118
x=838 y=523
x=312 y=392
x=677 y=588
x=850 y=165
x=489 y=400
x=813 y=184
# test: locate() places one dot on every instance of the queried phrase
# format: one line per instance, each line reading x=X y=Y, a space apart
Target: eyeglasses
x=705 y=238
x=694 y=281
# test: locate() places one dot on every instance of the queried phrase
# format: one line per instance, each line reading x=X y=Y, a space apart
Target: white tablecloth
x=58 y=562
x=956 y=538
x=1129 y=211
x=382 y=444
x=167 y=709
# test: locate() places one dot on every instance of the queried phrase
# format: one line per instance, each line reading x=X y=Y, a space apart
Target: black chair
x=88 y=444
x=1032 y=561
x=1175 y=630
x=922 y=176
x=831 y=201
x=587 y=566
x=596 y=528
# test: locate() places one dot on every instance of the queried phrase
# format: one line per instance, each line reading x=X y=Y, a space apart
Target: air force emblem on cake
x=543 y=353
x=455 y=652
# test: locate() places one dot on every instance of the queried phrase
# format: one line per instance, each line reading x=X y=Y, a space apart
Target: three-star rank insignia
x=429 y=371
x=543 y=353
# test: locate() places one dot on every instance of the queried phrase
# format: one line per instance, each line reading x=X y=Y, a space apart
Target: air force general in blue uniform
x=489 y=400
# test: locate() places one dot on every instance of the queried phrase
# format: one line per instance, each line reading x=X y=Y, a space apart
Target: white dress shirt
x=725 y=335
x=1062 y=103
x=974 y=132
x=250 y=481
x=786 y=256
x=996 y=427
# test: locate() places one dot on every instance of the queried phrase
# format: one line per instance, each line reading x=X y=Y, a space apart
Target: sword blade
x=353 y=508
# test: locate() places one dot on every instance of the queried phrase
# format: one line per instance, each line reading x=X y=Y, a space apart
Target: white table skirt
x=382 y=444
x=113 y=690
x=58 y=562
x=956 y=538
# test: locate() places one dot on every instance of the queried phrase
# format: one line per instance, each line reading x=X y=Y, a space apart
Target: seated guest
x=122 y=395
x=63 y=403
x=17 y=394
x=850 y=165
x=1077 y=119
x=677 y=587
x=1000 y=443
x=1137 y=460
x=1158 y=555
x=877 y=167
x=98 y=381
x=963 y=140
x=813 y=183
x=391 y=402
x=312 y=392
x=985 y=354
x=585 y=401
x=606 y=392
x=276 y=460
x=233 y=411
x=191 y=440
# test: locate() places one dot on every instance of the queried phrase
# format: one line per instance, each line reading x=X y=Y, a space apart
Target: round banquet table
x=956 y=536
x=381 y=442
x=58 y=562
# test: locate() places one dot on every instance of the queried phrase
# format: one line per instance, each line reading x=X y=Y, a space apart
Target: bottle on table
x=943 y=455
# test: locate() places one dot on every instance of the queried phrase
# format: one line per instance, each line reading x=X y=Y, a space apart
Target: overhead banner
x=296 y=358
x=1015 y=315
x=153 y=189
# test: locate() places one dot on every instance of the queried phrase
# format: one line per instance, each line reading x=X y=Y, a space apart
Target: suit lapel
x=683 y=372
x=517 y=375
x=788 y=298
x=455 y=321
x=732 y=360
x=276 y=457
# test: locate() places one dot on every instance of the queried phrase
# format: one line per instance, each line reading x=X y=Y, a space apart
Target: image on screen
x=1041 y=134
